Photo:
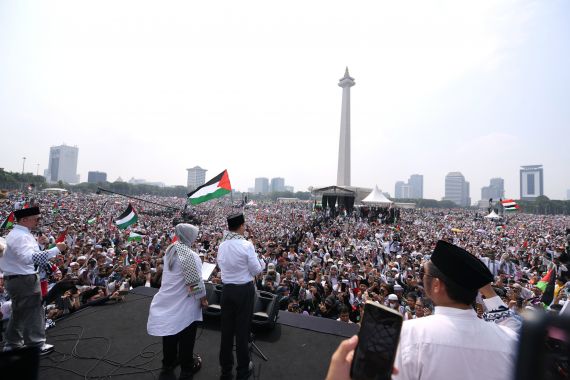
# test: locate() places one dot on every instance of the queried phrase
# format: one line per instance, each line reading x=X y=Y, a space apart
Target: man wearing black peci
x=21 y=256
x=239 y=265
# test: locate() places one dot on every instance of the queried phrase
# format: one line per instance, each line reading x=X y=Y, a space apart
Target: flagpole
x=99 y=189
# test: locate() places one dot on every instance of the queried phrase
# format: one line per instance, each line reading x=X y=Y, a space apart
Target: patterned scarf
x=192 y=277
x=228 y=235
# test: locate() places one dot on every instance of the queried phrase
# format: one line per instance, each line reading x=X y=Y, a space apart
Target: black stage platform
x=110 y=342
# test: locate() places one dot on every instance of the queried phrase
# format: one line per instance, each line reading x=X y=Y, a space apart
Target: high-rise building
x=277 y=184
x=495 y=190
x=261 y=185
x=196 y=177
x=343 y=173
x=413 y=189
x=531 y=182
x=96 y=177
x=568 y=194
x=416 y=183
x=62 y=164
x=457 y=189
x=399 y=190
x=290 y=189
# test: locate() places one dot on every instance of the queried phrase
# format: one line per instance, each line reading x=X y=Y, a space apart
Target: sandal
x=197 y=363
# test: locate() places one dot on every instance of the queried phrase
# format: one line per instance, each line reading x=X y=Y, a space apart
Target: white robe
x=172 y=310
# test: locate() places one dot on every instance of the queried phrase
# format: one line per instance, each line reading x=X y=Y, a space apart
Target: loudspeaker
x=20 y=364
x=265 y=306
x=214 y=296
x=265 y=309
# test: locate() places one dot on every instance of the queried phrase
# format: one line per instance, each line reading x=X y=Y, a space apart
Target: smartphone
x=377 y=343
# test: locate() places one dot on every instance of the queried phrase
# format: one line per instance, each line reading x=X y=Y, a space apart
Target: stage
x=110 y=341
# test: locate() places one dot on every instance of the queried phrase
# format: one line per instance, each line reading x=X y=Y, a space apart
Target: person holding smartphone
x=453 y=343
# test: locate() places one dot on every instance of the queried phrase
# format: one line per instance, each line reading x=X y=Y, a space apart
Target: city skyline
x=442 y=87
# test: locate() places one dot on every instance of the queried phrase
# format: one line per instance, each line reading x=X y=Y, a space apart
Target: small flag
x=8 y=222
x=545 y=280
x=61 y=236
x=214 y=188
x=134 y=237
x=92 y=220
x=509 y=205
x=128 y=217
x=548 y=291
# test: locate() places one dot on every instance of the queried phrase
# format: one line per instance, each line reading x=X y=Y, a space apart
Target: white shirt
x=172 y=310
x=454 y=344
x=238 y=261
x=21 y=246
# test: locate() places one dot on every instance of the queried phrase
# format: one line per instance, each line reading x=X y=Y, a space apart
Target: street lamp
x=23 y=163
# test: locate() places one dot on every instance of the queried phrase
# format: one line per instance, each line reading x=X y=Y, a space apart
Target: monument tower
x=343 y=173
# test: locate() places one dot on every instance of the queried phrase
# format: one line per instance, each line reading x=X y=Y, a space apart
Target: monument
x=343 y=173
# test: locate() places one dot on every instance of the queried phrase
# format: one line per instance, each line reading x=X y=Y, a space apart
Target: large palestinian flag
x=509 y=205
x=128 y=217
x=214 y=188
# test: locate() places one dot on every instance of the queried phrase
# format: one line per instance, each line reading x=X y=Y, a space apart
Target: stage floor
x=110 y=341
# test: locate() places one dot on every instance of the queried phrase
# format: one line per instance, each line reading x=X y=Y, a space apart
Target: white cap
x=392 y=297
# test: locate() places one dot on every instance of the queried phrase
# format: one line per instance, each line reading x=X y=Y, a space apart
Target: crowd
x=316 y=264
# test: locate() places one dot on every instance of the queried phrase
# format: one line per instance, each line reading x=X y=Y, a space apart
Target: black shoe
x=226 y=375
x=248 y=374
x=167 y=373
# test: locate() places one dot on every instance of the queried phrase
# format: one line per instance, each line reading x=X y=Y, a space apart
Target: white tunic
x=172 y=310
x=454 y=344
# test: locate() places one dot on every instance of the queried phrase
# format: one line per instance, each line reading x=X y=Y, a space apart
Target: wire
x=135 y=365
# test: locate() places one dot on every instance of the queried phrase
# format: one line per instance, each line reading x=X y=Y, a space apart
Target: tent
x=493 y=215
x=377 y=198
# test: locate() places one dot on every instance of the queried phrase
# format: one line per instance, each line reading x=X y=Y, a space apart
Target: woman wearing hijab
x=176 y=308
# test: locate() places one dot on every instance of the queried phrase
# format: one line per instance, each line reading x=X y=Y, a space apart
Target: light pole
x=23 y=163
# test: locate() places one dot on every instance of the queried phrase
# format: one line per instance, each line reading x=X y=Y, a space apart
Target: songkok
x=460 y=266
x=235 y=220
x=30 y=211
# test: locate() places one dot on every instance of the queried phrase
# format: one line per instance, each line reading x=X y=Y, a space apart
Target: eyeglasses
x=423 y=273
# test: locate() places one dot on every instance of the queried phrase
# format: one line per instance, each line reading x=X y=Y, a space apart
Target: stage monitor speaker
x=20 y=364
x=214 y=296
x=265 y=309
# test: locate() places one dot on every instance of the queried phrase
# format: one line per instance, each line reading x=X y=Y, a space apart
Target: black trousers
x=179 y=347
x=237 y=311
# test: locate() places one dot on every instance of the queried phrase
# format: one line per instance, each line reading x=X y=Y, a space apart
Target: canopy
x=55 y=190
x=377 y=198
x=493 y=215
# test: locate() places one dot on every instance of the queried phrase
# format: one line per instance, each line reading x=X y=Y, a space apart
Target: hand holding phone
x=377 y=343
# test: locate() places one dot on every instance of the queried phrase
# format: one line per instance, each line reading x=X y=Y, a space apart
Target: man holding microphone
x=22 y=253
x=239 y=265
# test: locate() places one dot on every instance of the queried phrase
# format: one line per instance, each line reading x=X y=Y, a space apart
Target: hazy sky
x=148 y=89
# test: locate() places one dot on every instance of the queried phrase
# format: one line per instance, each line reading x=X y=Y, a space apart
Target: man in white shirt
x=453 y=343
x=27 y=323
x=239 y=265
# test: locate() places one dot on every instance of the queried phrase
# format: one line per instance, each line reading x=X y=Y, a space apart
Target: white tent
x=377 y=198
x=493 y=215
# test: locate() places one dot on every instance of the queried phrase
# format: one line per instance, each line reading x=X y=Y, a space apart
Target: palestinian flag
x=545 y=280
x=134 y=237
x=61 y=236
x=509 y=205
x=214 y=188
x=8 y=222
x=128 y=217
